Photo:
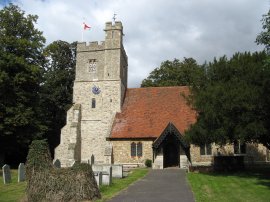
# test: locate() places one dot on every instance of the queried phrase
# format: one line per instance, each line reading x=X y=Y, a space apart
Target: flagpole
x=82 y=31
x=82 y=34
x=85 y=26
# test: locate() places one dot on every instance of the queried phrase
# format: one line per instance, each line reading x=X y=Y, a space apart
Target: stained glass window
x=139 y=149
x=133 y=149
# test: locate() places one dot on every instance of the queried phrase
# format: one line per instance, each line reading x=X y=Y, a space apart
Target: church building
x=113 y=124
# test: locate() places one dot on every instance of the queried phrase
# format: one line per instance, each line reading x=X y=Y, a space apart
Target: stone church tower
x=98 y=94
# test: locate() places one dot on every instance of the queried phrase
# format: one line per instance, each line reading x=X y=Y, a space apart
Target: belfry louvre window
x=136 y=149
x=206 y=149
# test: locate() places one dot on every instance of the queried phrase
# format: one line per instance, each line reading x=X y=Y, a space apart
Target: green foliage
x=56 y=89
x=264 y=37
x=36 y=83
x=243 y=186
x=21 y=59
x=148 y=163
x=175 y=73
x=38 y=156
x=232 y=103
x=47 y=183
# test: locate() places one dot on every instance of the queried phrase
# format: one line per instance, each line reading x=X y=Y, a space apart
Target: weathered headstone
x=6 y=174
x=57 y=163
x=98 y=177
x=106 y=173
x=117 y=171
x=92 y=159
x=21 y=172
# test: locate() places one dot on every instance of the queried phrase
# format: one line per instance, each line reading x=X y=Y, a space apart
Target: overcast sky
x=156 y=30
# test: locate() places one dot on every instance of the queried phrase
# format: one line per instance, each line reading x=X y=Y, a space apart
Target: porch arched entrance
x=171 y=155
x=169 y=149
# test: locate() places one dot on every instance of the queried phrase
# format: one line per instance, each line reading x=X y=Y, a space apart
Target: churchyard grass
x=13 y=191
x=16 y=191
x=242 y=186
x=108 y=192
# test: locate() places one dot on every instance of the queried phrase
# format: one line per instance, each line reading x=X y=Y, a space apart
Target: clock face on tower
x=96 y=90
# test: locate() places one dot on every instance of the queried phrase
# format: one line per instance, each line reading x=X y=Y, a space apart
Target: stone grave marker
x=57 y=163
x=92 y=159
x=98 y=177
x=6 y=174
x=21 y=172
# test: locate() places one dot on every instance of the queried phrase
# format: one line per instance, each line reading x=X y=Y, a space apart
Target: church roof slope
x=147 y=111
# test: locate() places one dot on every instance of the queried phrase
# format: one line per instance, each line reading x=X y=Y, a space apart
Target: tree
x=21 y=59
x=175 y=73
x=264 y=37
x=233 y=104
x=56 y=89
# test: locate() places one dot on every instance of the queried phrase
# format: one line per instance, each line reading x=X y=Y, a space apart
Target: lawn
x=13 y=191
x=244 y=186
x=16 y=191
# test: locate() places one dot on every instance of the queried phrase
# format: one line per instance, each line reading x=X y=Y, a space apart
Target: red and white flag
x=85 y=26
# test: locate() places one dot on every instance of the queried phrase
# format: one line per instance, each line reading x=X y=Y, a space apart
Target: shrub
x=148 y=163
x=47 y=183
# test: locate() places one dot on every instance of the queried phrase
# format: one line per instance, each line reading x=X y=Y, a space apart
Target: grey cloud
x=157 y=30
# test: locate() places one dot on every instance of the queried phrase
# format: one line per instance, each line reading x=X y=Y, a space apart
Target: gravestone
x=6 y=174
x=57 y=163
x=98 y=177
x=92 y=159
x=106 y=173
x=21 y=172
x=117 y=171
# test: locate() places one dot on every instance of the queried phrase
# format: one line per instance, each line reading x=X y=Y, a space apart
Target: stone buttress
x=98 y=94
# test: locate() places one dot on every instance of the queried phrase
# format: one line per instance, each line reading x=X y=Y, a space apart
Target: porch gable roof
x=170 y=129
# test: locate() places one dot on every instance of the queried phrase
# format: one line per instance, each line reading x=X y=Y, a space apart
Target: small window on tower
x=92 y=65
x=93 y=103
x=112 y=34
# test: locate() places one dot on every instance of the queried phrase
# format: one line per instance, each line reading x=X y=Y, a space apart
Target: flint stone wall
x=255 y=154
x=122 y=151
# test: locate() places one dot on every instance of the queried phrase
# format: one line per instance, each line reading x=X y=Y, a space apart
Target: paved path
x=158 y=186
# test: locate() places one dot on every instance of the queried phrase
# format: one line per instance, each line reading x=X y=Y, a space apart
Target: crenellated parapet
x=110 y=26
x=92 y=46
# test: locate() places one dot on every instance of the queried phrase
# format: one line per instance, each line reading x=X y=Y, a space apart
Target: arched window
x=93 y=103
x=136 y=149
x=133 y=149
x=239 y=147
x=206 y=149
x=139 y=149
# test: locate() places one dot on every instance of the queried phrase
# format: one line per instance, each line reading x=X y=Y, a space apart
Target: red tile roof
x=147 y=111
